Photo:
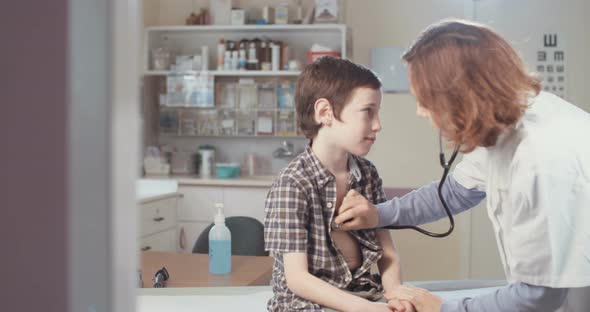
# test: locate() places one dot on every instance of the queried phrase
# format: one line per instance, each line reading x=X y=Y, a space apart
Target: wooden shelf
x=234 y=73
x=253 y=28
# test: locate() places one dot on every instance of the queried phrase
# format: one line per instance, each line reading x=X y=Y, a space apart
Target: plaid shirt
x=299 y=210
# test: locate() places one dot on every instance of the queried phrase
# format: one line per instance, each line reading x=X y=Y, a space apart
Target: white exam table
x=254 y=298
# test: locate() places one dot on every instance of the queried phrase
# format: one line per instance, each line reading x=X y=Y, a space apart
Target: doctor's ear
x=323 y=113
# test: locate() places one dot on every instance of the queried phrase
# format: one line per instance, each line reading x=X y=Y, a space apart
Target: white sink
x=154 y=187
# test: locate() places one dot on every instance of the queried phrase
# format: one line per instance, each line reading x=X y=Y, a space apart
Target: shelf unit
x=188 y=40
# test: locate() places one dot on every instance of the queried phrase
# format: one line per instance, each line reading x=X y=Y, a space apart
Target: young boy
x=315 y=266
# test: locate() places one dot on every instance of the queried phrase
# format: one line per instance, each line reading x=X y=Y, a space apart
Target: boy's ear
x=323 y=113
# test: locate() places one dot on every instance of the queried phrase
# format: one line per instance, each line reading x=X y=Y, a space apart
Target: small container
x=282 y=13
x=246 y=122
x=238 y=17
x=276 y=61
x=251 y=164
x=248 y=94
x=227 y=170
x=268 y=15
x=228 y=95
x=161 y=59
x=204 y=58
x=220 y=54
x=207 y=153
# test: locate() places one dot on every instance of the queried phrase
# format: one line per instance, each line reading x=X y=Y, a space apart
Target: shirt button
x=329 y=205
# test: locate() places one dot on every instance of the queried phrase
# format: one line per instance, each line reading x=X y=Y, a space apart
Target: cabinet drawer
x=158 y=215
x=163 y=241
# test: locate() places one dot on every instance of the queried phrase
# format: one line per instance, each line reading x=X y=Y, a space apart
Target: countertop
x=245 y=181
x=155 y=189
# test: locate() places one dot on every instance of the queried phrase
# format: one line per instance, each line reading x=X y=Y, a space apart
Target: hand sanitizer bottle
x=219 y=244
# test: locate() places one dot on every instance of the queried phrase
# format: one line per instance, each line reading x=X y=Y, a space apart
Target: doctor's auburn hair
x=473 y=83
x=333 y=79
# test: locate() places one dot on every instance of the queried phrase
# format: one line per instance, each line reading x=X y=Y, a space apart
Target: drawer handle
x=159 y=219
x=146 y=248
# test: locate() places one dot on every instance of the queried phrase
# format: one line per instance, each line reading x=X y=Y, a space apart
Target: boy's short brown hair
x=333 y=79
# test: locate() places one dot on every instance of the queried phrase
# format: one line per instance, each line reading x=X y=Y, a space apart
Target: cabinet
x=245 y=103
x=197 y=208
x=158 y=223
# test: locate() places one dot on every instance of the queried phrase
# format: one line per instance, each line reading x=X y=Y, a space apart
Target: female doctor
x=526 y=153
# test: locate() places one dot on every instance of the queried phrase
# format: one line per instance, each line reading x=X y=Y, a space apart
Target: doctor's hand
x=421 y=299
x=401 y=306
x=356 y=213
x=376 y=307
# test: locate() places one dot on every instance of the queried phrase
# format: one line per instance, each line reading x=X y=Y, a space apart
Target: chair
x=247 y=237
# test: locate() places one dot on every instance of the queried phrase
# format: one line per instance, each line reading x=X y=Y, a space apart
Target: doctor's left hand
x=421 y=299
x=356 y=213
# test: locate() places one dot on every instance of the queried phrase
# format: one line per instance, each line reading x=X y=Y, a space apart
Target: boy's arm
x=389 y=264
x=309 y=287
x=390 y=269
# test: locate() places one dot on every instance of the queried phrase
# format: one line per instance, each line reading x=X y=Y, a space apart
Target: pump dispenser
x=219 y=244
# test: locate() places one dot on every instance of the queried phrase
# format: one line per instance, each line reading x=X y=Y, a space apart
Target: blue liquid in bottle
x=219 y=256
x=219 y=245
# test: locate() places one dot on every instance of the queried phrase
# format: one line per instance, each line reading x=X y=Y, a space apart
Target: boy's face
x=356 y=131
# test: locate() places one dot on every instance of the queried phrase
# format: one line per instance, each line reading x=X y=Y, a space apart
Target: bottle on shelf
x=227 y=61
x=252 y=59
x=204 y=58
x=219 y=244
x=234 y=60
x=275 y=57
x=220 y=54
x=265 y=63
x=242 y=60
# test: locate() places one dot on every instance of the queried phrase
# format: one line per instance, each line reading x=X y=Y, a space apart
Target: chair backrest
x=247 y=237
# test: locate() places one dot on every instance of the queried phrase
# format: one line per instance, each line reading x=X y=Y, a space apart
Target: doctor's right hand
x=356 y=213
x=377 y=307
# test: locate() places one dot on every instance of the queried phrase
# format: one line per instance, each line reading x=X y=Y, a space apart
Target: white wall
x=523 y=22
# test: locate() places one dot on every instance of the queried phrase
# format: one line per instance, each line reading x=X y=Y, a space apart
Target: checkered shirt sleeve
x=286 y=217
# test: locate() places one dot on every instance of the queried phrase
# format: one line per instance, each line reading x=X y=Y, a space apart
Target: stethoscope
x=446 y=166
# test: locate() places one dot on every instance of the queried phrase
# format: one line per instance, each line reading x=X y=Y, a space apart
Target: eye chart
x=551 y=64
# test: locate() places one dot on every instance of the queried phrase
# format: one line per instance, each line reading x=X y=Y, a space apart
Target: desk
x=192 y=270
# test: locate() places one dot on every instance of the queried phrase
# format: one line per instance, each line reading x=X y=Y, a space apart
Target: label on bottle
x=220 y=256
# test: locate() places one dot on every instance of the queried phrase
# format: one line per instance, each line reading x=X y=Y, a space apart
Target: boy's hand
x=401 y=306
x=421 y=299
x=356 y=213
